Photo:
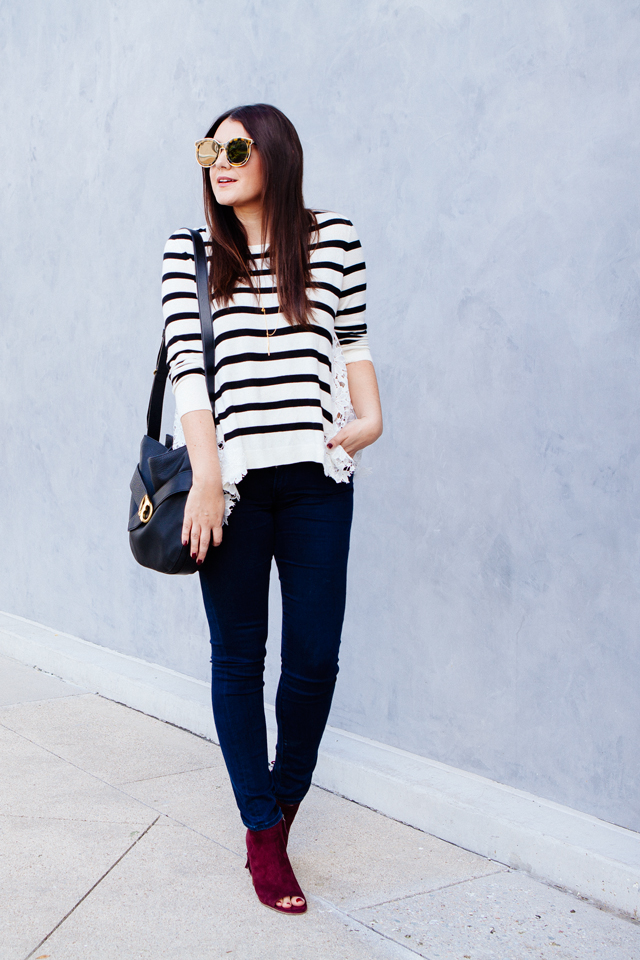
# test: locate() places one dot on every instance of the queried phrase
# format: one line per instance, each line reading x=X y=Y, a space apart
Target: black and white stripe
x=277 y=405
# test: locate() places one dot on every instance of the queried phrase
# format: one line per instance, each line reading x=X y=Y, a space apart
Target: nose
x=220 y=162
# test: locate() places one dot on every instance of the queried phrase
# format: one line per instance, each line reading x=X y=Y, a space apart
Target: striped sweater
x=274 y=395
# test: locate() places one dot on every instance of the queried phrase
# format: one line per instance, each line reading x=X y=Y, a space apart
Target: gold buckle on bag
x=145 y=509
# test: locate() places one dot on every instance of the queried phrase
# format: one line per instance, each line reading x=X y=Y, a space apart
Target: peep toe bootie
x=270 y=869
x=289 y=811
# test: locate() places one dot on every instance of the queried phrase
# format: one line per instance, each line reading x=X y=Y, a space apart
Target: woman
x=276 y=465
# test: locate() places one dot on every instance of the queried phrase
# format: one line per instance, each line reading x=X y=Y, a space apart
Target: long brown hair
x=286 y=220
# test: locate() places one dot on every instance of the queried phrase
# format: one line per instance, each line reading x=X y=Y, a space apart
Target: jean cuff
x=262 y=826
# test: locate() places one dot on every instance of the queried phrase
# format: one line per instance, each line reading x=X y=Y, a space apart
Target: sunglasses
x=237 y=150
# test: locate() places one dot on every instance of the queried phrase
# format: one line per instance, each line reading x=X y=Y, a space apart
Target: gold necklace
x=266 y=329
x=266 y=325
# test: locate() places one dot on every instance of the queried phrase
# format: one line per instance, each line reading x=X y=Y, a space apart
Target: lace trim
x=337 y=463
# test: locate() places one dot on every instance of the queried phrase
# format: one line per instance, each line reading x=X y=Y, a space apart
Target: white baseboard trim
x=554 y=843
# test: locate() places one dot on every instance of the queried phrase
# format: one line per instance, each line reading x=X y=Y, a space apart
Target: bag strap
x=154 y=411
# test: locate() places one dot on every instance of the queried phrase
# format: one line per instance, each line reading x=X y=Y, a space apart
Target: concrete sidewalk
x=121 y=841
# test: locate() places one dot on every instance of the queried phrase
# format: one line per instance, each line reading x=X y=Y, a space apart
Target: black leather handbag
x=162 y=480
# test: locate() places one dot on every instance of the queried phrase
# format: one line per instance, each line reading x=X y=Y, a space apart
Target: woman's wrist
x=208 y=484
x=372 y=424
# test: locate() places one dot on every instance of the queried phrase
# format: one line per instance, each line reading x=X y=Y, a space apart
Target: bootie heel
x=272 y=874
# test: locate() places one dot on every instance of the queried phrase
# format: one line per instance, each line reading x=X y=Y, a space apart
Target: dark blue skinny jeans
x=302 y=518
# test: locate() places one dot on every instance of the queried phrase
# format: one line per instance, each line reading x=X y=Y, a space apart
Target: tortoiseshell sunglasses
x=238 y=151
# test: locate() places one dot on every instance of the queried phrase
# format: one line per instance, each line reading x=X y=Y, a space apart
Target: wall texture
x=488 y=154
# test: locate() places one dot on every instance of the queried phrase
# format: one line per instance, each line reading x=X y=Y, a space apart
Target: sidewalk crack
x=32 y=703
x=164 y=776
x=350 y=919
x=91 y=889
x=29 y=816
x=445 y=886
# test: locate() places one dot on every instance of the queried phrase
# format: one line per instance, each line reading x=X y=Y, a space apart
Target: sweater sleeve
x=350 y=324
x=182 y=325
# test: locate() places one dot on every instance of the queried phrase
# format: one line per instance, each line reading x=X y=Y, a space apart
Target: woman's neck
x=250 y=217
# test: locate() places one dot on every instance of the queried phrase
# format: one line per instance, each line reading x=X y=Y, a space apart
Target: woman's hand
x=363 y=388
x=357 y=435
x=203 y=516
x=204 y=509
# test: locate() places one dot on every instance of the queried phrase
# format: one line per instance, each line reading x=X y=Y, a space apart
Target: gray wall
x=488 y=154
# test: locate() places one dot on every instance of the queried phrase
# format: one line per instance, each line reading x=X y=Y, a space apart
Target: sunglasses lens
x=238 y=151
x=207 y=153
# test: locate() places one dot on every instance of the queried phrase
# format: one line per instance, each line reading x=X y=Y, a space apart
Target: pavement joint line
x=582 y=898
x=347 y=917
x=91 y=889
x=445 y=886
x=198 y=833
x=405 y=823
x=27 y=816
x=588 y=901
x=145 y=713
x=164 y=776
x=118 y=788
x=31 y=703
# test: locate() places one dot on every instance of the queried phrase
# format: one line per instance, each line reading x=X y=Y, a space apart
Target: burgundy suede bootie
x=272 y=874
x=289 y=811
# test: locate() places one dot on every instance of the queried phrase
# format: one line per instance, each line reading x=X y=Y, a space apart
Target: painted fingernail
x=193 y=556
x=184 y=543
x=198 y=562
x=330 y=445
